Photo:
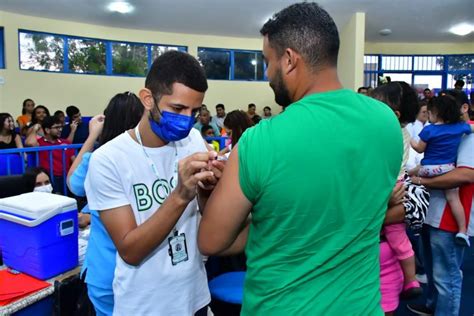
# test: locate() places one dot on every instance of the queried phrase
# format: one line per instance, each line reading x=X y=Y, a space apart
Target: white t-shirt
x=415 y=128
x=219 y=121
x=120 y=174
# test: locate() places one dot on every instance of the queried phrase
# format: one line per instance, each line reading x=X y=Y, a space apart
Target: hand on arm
x=224 y=225
x=96 y=125
x=31 y=140
x=453 y=179
x=135 y=242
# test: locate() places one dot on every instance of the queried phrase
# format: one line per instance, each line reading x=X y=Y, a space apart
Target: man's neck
x=51 y=139
x=322 y=81
x=148 y=137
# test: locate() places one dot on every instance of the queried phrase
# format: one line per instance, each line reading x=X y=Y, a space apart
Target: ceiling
x=410 y=20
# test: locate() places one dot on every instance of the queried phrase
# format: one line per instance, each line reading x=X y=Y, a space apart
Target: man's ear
x=146 y=97
x=291 y=58
x=398 y=114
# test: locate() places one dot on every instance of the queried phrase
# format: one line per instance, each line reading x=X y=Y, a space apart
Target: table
x=37 y=296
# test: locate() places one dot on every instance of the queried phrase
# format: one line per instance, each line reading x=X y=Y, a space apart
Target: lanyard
x=150 y=161
x=153 y=167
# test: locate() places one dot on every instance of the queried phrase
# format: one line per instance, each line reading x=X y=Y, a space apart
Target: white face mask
x=44 y=188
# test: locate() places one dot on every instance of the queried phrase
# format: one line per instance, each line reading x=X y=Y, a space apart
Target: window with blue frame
x=129 y=59
x=87 y=56
x=72 y=54
x=232 y=64
x=421 y=71
x=2 y=49
x=41 y=52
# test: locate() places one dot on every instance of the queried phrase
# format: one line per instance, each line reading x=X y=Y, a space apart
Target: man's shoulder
x=113 y=148
x=466 y=152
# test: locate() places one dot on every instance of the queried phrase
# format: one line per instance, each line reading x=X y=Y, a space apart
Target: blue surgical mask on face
x=172 y=126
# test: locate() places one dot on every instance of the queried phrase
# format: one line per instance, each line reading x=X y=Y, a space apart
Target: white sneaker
x=421 y=278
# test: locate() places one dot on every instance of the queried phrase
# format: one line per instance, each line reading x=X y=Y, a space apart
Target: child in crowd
x=403 y=101
x=208 y=131
x=440 y=142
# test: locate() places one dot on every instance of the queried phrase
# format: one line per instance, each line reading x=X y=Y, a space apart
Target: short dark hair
x=306 y=28
x=427 y=89
x=203 y=110
x=459 y=96
x=205 y=128
x=175 y=67
x=49 y=121
x=361 y=88
x=459 y=82
x=220 y=105
x=446 y=108
x=251 y=105
x=399 y=96
x=123 y=112
x=72 y=110
x=58 y=112
x=267 y=108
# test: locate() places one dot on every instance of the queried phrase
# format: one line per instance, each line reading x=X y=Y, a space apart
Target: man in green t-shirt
x=316 y=180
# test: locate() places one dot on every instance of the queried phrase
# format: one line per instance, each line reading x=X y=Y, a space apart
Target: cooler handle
x=30 y=222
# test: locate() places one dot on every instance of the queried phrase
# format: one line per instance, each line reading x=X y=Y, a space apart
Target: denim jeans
x=443 y=259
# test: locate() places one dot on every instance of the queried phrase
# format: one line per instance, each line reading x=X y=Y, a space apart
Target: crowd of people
x=323 y=197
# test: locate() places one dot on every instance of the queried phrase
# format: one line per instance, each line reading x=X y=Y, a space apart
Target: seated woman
x=235 y=124
x=33 y=180
x=8 y=137
x=37 y=180
x=25 y=118
x=123 y=112
x=39 y=114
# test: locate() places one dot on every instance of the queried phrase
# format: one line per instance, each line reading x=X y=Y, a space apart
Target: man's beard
x=282 y=95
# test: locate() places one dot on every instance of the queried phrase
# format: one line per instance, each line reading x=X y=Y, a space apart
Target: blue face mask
x=172 y=126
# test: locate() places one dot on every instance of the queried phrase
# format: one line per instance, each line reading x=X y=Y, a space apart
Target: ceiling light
x=385 y=32
x=462 y=29
x=121 y=7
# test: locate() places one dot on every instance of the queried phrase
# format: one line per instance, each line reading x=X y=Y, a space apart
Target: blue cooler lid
x=32 y=209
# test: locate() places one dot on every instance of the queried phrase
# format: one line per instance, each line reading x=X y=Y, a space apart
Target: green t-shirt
x=319 y=176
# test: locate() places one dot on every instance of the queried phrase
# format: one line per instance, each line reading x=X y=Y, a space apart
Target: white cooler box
x=39 y=233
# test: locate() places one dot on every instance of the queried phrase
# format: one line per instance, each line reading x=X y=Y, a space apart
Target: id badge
x=178 y=250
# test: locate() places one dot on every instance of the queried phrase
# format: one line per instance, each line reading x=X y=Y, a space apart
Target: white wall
x=419 y=48
x=351 y=54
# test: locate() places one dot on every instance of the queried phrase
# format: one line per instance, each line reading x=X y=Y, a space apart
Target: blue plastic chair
x=228 y=287
x=11 y=164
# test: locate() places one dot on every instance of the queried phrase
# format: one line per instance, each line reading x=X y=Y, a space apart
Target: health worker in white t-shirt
x=148 y=184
